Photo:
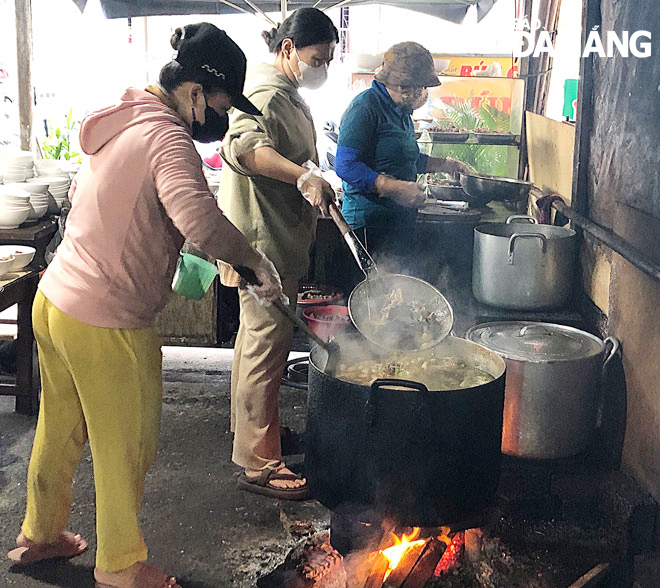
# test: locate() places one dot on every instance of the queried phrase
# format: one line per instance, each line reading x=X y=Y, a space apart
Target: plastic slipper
x=293 y=443
x=25 y=556
x=148 y=577
x=261 y=485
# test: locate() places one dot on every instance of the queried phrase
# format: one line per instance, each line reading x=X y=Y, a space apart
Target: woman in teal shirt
x=378 y=158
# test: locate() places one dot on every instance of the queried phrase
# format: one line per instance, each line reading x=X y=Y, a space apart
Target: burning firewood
x=405 y=565
x=427 y=562
x=379 y=566
x=473 y=544
x=450 y=557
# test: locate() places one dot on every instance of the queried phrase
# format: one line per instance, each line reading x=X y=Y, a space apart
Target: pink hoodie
x=140 y=192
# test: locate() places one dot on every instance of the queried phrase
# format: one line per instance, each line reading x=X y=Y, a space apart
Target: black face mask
x=214 y=127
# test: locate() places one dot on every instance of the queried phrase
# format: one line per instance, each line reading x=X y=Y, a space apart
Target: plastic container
x=327 y=295
x=193 y=276
x=329 y=327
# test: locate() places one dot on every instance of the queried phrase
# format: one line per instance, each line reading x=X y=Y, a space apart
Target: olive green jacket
x=273 y=215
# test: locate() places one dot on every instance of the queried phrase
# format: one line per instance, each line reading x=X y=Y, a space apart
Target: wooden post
x=24 y=63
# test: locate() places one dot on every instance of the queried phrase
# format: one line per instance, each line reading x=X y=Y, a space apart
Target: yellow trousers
x=103 y=385
x=262 y=346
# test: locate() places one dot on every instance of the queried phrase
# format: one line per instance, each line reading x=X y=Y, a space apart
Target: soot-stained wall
x=624 y=194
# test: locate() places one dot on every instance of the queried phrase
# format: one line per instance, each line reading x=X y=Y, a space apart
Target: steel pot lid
x=536 y=342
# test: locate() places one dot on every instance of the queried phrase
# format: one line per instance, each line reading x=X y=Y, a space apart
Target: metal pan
x=487 y=188
x=446 y=192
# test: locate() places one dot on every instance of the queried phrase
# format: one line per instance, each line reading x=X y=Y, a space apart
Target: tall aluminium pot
x=523 y=266
x=553 y=385
x=421 y=456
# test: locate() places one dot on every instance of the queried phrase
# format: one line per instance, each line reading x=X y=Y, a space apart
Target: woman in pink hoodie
x=138 y=195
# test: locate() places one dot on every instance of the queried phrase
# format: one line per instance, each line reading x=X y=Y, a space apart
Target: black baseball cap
x=204 y=46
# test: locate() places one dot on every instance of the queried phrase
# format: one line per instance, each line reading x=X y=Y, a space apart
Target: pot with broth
x=415 y=435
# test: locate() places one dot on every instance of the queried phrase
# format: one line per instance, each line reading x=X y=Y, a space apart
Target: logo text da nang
x=529 y=40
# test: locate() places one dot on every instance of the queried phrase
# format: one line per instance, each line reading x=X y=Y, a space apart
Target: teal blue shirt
x=376 y=137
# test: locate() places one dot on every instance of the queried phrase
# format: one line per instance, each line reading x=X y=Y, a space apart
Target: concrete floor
x=198 y=525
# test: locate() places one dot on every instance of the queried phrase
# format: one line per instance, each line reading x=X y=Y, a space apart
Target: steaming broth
x=436 y=373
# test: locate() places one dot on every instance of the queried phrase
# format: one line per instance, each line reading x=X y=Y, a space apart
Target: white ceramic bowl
x=11 y=193
x=31 y=187
x=11 y=218
x=23 y=255
x=9 y=177
x=56 y=181
x=9 y=153
x=59 y=190
x=37 y=211
x=5 y=264
x=48 y=164
x=11 y=201
x=54 y=173
x=15 y=169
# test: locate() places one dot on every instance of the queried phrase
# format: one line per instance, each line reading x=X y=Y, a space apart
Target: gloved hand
x=453 y=166
x=408 y=194
x=270 y=288
x=315 y=189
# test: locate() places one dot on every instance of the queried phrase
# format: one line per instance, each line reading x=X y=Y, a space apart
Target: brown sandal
x=147 y=577
x=261 y=485
x=26 y=555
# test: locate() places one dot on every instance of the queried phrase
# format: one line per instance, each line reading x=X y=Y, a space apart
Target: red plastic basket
x=327 y=328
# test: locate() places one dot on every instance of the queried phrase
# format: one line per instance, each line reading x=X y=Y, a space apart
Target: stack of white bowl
x=39 y=197
x=14 y=207
x=49 y=167
x=16 y=166
x=58 y=188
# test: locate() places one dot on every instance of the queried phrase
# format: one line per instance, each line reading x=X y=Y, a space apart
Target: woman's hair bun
x=269 y=37
x=175 y=39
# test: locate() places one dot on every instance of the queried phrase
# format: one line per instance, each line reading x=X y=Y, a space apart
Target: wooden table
x=20 y=288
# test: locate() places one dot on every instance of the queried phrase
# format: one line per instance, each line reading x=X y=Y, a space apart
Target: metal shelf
x=473 y=140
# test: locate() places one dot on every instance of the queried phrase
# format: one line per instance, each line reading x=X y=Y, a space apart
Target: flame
x=395 y=553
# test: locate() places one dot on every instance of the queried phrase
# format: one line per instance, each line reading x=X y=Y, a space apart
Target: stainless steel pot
x=523 y=266
x=553 y=385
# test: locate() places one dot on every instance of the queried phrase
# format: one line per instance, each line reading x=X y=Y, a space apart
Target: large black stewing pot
x=423 y=457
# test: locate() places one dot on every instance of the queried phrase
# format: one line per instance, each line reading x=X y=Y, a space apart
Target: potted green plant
x=58 y=144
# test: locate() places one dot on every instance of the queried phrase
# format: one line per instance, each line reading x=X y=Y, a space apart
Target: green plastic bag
x=193 y=276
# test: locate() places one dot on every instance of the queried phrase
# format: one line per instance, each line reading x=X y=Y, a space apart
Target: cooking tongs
x=364 y=260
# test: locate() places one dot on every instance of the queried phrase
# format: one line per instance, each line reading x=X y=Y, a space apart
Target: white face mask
x=310 y=77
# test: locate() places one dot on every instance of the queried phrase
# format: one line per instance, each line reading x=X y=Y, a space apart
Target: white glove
x=315 y=189
x=271 y=285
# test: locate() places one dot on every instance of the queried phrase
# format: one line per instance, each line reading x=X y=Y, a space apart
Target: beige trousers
x=260 y=353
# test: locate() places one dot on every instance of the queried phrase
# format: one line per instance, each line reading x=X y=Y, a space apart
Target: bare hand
x=453 y=166
x=408 y=194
